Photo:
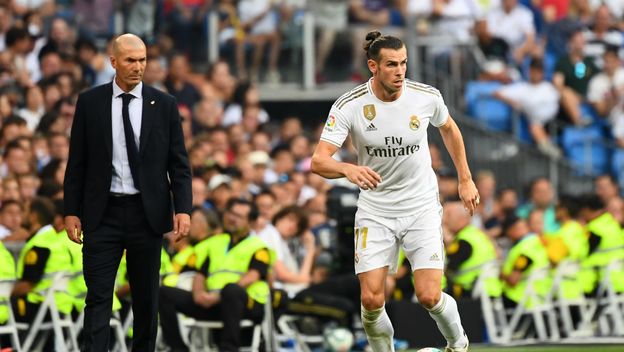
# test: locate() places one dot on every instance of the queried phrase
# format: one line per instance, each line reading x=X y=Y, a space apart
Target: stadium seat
x=535 y=307
x=568 y=270
x=197 y=333
x=10 y=326
x=58 y=322
x=492 y=307
x=482 y=106
x=610 y=303
x=586 y=150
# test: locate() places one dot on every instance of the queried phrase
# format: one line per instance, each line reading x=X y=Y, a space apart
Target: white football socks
x=447 y=318
x=379 y=330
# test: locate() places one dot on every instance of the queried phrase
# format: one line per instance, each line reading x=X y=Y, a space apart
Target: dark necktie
x=131 y=147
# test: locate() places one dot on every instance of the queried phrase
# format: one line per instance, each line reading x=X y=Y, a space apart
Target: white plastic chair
x=610 y=303
x=10 y=326
x=569 y=270
x=197 y=333
x=491 y=307
x=59 y=281
x=540 y=306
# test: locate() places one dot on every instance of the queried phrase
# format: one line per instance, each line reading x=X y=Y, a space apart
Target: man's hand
x=181 y=226
x=362 y=176
x=73 y=228
x=206 y=299
x=469 y=195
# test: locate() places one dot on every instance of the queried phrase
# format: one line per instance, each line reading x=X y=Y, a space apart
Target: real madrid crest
x=414 y=122
x=369 y=111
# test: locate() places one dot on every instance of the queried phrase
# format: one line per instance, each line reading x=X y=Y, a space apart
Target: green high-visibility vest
x=611 y=248
x=178 y=262
x=483 y=252
x=228 y=266
x=77 y=287
x=59 y=260
x=531 y=247
x=7 y=272
x=574 y=236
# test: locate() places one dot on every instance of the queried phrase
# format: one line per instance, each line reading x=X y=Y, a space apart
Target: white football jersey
x=391 y=139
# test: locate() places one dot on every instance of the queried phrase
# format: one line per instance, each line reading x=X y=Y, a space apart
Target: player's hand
x=469 y=195
x=73 y=228
x=362 y=176
x=181 y=226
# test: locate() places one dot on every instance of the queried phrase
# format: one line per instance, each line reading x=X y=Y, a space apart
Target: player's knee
x=372 y=300
x=429 y=298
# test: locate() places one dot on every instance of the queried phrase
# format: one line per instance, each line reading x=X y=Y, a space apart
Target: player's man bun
x=370 y=38
x=375 y=41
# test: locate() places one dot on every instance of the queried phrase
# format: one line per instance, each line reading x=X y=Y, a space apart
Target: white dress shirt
x=122 y=176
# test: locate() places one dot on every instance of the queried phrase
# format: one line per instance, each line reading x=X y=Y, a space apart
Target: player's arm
x=324 y=165
x=455 y=145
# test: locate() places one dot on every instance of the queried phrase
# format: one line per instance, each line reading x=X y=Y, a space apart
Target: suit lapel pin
x=152 y=102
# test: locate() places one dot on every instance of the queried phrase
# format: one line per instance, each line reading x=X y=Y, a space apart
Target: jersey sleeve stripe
x=351 y=98
x=350 y=93
x=424 y=90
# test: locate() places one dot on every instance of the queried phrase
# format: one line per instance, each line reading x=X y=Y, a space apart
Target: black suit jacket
x=164 y=167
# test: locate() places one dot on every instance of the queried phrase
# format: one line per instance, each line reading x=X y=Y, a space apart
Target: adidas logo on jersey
x=434 y=257
x=371 y=127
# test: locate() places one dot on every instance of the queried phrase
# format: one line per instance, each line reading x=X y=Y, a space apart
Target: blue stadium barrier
x=482 y=106
x=585 y=148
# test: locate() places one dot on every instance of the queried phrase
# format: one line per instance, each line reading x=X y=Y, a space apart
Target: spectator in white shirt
x=538 y=100
x=514 y=24
x=34 y=109
x=606 y=89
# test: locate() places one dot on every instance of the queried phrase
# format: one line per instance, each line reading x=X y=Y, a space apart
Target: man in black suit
x=126 y=161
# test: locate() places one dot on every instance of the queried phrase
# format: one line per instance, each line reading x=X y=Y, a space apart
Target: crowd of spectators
x=50 y=51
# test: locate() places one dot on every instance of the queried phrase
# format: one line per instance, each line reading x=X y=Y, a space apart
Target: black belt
x=123 y=195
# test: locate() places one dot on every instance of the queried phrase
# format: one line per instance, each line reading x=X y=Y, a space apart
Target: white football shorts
x=377 y=240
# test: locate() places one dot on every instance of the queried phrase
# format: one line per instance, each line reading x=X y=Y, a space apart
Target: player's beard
x=390 y=90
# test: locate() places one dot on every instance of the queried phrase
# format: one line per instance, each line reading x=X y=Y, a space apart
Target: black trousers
x=336 y=299
x=235 y=306
x=123 y=227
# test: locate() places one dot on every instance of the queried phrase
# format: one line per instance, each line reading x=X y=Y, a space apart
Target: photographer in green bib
x=606 y=244
x=230 y=283
x=44 y=254
x=470 y=251
x=527 y=255
x=7 y=272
